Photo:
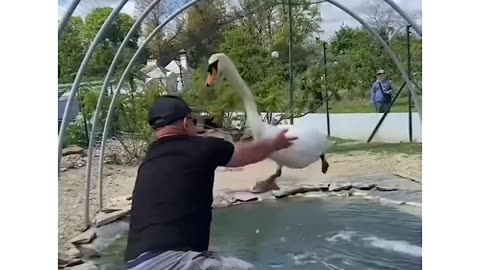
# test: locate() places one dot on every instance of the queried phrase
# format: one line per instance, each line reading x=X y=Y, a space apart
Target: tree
x=155 y=16
x=116 y=33
x=357 y=48
x=385 y=20
x=71 y=50
x=199 y=35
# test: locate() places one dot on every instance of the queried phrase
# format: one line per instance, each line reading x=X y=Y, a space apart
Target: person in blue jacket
x=381 y=93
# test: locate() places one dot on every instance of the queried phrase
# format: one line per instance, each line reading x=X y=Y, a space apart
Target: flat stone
x=73 y=262
x=390 y=201
x=317 y=194
x=360 y=193
x=386 y=188
x=291 y=191
x=89 y=251
x=316 y=187
x=286 y=192
x=117 y=206
x=222 y=200
x=63 y=258
x=342 y=193
x=72 y=252
x=339 y=187
x=363 y=186
x=84 y=266
x=323 y=187
x=74 y=149
x=266 y=196
x=416 y=204
x=84 y=238
x=106 y=218
x=244 y=197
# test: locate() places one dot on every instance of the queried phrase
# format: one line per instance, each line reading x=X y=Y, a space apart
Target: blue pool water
x=311 y=234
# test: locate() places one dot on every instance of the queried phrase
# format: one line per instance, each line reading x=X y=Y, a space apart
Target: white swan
x=310 y=146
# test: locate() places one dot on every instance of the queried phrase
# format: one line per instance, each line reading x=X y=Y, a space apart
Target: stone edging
x=80 y=248
x=371 y=191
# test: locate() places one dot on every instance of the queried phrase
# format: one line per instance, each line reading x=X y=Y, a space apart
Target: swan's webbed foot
x=268 y=184
x=325 y=164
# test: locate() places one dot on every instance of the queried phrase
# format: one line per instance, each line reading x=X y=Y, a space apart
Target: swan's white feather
x=304 y=151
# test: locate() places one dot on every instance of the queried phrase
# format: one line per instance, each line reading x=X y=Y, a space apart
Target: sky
x=333 y=18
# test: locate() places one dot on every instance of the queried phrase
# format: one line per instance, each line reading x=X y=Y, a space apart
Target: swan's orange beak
x=212 y=75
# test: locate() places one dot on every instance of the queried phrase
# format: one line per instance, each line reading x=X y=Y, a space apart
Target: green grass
x=363 y=106
x=340 y=140
x=374 y=147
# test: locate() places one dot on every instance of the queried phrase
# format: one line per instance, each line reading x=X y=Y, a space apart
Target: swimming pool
x=310 y=234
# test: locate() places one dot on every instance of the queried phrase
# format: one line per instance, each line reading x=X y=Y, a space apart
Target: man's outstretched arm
x=249 y=153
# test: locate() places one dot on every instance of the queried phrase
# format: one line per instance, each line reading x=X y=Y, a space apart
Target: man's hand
x=256 y=151
x=281 y=141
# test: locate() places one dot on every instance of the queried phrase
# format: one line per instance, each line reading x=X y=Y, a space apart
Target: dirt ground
x=120 y=180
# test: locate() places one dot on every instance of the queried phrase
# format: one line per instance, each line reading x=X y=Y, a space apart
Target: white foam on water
x=275 y=265
x=304 y=258
x=330 y=265
x=395 y=245
x=342 y=235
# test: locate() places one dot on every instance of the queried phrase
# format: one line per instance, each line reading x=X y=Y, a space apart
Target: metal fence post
x=327 y=108
x=290 y=52
x=409 y=71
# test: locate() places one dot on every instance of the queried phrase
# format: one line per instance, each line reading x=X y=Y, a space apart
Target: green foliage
x=71 y=50
x=306 y=21
x=360 y=56
x=130 y=116
x=353 y=57
x=262 y=73
x=79 y=35
x=200 y=34
x=218 y=99
x=88 y=98
x=76 y=133
x=115 y=33
x=133 y=112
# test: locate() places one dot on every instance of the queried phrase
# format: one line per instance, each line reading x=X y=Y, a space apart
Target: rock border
x=74 y=254
x=118 y=209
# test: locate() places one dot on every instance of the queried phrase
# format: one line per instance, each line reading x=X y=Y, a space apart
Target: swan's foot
x=325 y=164
x=268 y=184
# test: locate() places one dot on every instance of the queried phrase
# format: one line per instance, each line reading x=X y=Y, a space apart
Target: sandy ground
x=120 y=181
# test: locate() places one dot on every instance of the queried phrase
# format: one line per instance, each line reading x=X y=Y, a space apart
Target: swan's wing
x=311 y=143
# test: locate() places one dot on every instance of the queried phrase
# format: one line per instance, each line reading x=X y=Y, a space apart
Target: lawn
x=345 y=146
x=363 y=106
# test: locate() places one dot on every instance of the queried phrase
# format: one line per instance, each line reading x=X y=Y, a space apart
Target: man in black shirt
x=172 y=199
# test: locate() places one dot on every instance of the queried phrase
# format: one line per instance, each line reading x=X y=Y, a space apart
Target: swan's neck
x=254 y=120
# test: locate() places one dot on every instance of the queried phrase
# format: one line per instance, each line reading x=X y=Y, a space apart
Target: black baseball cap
x=167 y=110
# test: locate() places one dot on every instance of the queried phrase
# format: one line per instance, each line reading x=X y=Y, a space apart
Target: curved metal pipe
x=405 y=16
x=124 y=75
x=98 y=111
x=66 y=17
x=74 y=89
x=81 y=70
x=388 y=50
